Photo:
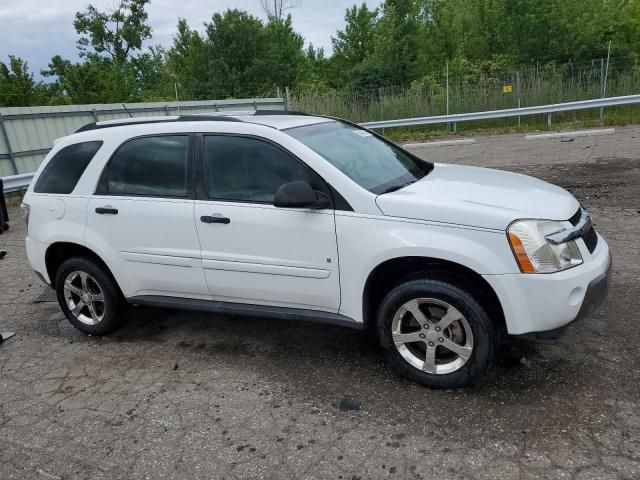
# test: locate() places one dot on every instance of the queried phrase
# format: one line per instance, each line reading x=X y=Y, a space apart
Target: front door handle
x=107 y=211
x=215 y=219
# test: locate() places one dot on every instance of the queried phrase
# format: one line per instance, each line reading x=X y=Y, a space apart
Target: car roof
x=280 y=120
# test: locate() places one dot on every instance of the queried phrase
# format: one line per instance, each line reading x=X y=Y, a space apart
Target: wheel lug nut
x=431 y=344
x=426 y=326
x=437 y=329
x=422 y=335
x=441 y=339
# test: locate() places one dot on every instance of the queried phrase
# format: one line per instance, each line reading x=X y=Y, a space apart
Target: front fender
x=364 y=242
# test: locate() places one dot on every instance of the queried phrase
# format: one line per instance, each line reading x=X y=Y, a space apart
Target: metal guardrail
x=18 y=183
x=511 y=112
x=25 y=131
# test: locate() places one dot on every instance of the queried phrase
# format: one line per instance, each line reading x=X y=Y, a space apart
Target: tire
x=104 y=316
x=406 y=342
x=5 y=226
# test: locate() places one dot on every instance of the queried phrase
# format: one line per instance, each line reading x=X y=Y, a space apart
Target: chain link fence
x=530 y=85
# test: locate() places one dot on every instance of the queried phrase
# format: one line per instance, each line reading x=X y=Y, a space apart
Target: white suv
x=310 y=218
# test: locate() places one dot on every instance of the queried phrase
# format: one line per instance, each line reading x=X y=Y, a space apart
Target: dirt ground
x=185 y=395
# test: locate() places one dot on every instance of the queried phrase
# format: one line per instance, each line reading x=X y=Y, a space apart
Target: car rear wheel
x=89 y=296
x=436 y=333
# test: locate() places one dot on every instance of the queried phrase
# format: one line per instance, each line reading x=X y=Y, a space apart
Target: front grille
x=590 y=238
x=576 y=217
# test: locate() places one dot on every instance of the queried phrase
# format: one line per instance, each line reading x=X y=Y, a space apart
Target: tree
x=317 y=71
x=402 y=42
x=352 y=46
x=356 y=41
x=235 y=45
x=149 y=71
x=17 y=86
x=187 y=64
x=117 y=33
x=238 y=56
x=95 y=81
x=396 y=42
x=112 y=70
x=284 y=57
x=275 y=9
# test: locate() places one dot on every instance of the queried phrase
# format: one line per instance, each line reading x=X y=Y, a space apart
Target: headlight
x=534 y=254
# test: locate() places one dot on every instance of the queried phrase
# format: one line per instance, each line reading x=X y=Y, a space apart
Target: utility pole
x=175 y=85
x=518 y=93
x=381 y=101
x=606 y=76
x=447 y=70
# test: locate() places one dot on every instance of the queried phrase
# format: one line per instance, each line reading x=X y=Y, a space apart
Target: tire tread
x=449 y=284
x=116 y=303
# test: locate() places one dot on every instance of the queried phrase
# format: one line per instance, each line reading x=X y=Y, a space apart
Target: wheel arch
x=391 y=272
x=57 y=253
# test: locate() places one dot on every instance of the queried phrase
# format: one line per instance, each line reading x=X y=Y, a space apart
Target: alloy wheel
x=84 y=297
x=432 y=335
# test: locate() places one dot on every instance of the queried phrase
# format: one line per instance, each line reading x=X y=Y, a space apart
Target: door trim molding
x=160 y=259
x=265 y=269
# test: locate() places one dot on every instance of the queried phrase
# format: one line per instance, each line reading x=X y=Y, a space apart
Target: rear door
x=255 y=252
x=141 y=218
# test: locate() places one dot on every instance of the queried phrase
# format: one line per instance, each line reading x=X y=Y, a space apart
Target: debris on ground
x=349 y=403
x=4 y=336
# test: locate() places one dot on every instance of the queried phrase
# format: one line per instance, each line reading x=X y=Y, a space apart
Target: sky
x=36 y=30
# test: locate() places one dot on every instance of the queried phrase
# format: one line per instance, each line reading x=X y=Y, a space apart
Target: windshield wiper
x=396 y=187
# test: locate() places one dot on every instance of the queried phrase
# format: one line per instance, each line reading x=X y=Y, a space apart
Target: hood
x=480 y=197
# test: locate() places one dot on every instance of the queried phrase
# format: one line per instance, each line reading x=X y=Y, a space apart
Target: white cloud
x=36 y=30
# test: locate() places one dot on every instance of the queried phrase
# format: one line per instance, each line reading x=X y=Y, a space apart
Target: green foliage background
x=393 y=57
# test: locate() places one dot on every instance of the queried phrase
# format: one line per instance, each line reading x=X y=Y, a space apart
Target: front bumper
x=595 y=296
x=545 y=304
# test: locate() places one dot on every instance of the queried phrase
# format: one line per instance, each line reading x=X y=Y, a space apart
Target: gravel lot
x=184 y=395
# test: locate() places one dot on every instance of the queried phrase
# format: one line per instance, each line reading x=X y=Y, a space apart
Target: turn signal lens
x=521 y=255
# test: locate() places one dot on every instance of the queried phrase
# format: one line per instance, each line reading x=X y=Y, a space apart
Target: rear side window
x=150 y=166
x=65 y=168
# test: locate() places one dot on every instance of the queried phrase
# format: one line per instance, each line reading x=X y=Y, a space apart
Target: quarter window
x=250 y=170
x=65 y=168
x=150 y=166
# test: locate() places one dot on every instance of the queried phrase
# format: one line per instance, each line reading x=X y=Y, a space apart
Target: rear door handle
x=107 y=211
x=215 y=219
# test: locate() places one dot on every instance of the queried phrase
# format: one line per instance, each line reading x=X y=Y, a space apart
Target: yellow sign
x=508 y=88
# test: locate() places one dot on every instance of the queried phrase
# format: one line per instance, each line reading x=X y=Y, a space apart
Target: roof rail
x=147 y=120
x=218 y=117
x=280 y=112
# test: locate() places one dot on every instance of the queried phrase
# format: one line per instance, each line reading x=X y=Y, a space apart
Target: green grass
x=13 y=199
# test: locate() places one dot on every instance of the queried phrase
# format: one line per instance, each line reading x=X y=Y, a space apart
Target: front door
x=253 y=252
x=141 y=219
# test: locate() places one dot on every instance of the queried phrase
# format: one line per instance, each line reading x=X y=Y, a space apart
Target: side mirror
x=299 y=194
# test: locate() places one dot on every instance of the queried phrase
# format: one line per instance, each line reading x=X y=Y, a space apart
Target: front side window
x=150 y=166
x=372 y=163
x=250 y=170
x=65 y=168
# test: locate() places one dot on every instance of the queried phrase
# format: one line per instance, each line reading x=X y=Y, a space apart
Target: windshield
x=371 y=162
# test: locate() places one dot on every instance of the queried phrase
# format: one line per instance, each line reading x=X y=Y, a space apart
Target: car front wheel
x=436 y=333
